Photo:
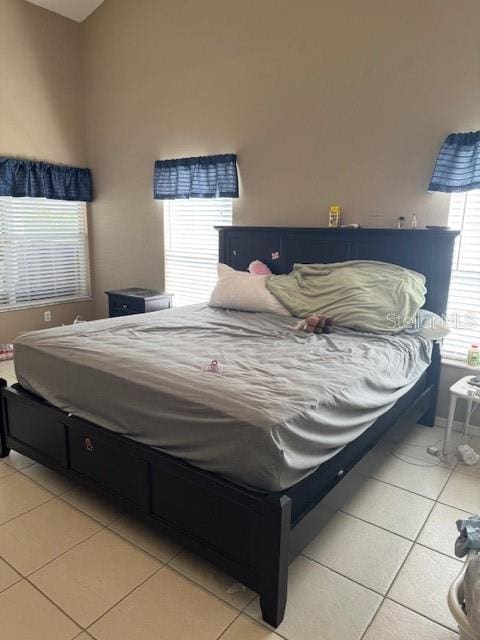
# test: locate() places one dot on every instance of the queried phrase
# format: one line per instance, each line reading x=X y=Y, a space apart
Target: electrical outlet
x=47 y=316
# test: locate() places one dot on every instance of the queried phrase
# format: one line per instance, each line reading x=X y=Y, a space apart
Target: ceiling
x=75 y=9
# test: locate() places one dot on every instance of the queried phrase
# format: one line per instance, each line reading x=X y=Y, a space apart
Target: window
x=43 y=252
x=464 y=298
x=191 y=246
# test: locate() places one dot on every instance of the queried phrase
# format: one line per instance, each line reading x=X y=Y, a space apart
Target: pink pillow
x=258 y=268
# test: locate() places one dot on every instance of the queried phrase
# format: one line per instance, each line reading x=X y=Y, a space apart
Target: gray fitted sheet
x=283 y=402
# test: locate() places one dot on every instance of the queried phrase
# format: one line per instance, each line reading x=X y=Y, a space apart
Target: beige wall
x=41 y=114
x=344 y=102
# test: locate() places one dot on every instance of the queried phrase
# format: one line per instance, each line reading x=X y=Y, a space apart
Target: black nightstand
x=125 y=302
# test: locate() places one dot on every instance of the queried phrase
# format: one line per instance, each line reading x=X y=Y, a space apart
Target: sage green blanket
x=368 y=296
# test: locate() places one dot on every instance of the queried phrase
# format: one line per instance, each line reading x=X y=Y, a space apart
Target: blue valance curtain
x=27 y=178
x=201 y=177
x=458 y=164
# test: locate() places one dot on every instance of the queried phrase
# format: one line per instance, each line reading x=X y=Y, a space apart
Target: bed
x=282 y=403
x=244 y=457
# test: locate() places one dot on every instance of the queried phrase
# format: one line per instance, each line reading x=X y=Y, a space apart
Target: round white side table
x=461 y=389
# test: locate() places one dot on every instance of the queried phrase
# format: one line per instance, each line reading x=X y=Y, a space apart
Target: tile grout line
x=415 y=493
x=373 y=524
x=197 y=584
x=140 y=584
x=9 y=463
x=435 y=502
x=42 y=486
x=54 y=497
x=415 y=540
x=342 y=575
x=418 y=613
x=38 y=484
x=372 y=618
x=442 y=553
x=88 y=515
x=77 y=544
x=204 y=588
x=101 y=530
x=386 y=596
x=27 y=511
x=230 y=624
x=422 y=615
x=452 y=506
x=19 y=579
x=54 y=604
x=395 y=533
x=166 y=566
x=137 y=546
x=163 y=565
x=27 y=579
x=10 y=469
x=430 y=513
x=104 y=525
x=402 y=564
x=265 y=625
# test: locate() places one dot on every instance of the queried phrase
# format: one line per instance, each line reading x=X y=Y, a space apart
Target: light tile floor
x=72 y=566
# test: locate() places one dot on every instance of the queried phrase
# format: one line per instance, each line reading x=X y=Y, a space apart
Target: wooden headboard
x=428 y=251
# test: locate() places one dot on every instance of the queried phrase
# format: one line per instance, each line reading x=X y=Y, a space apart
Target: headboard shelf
x=428 y=251
x=336 y=230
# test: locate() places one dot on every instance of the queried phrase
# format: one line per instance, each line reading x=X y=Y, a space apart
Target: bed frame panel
x=251 y=535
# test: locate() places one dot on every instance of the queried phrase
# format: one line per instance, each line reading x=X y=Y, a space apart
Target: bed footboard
x=245 y=533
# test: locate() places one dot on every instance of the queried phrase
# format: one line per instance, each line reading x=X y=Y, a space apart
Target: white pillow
x=244 y=292
x=428 y=325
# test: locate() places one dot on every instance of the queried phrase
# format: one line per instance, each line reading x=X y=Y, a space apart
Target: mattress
x=279 y=404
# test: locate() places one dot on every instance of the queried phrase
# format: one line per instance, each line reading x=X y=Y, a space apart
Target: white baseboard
x=473 y=429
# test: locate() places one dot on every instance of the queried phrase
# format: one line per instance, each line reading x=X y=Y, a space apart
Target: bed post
x=439 y=249
x=4 y=450
x=433 y=378
x=274 y=557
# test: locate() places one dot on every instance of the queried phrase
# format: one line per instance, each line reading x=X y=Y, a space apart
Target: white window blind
x=43 y=252
x=191 y=246
x=464 y=297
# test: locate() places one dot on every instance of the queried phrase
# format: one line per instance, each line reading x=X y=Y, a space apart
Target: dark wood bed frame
x=251 y=535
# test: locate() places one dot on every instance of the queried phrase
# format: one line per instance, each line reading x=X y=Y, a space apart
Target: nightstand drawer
x=158 y=304
x=123 y=305
x=124 y=302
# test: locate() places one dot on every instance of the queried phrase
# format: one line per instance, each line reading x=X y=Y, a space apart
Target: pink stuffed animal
x=258 y=268
x=316 y=324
